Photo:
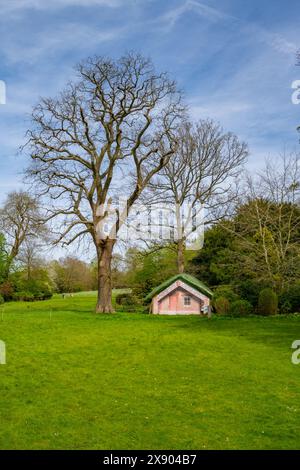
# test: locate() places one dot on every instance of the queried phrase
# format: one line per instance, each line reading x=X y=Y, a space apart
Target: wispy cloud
x=235 y=62
x=275 y=40
x=19 y=5
x=171 y=17
x=59 y=39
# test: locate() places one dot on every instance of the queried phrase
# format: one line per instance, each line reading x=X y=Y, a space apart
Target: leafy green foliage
x=73 y=275
x=267 y=302
x=149 y=269
x=213 y=264
x=24 y=296
x=222 y=305
x=250 y=289
x=128 y=301
x=290 y=299
x=7 y=290
x=3 y=258
x=240 y=308
x=227 y=292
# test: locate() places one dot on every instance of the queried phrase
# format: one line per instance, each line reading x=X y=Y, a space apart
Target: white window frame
x=188 y=299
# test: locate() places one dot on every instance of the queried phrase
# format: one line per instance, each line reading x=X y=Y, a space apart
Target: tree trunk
x=180 y=256
x=104 y=255
x=7 y=268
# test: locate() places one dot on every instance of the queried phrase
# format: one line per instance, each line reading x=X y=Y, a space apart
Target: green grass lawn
x=75 y=380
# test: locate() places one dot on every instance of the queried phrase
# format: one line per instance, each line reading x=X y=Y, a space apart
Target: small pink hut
x=182 y=294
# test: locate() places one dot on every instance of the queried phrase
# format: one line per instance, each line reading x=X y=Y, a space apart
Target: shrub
x=124 y=299
x=222 y=305
x=267 y=302
x=227 y=292
x=241 y=308
x=39 y=289
x=7 y=290
x=1 y=299
x=250 y=289
x=47 y=295
x=286 y=307
x=290 y=299
x=24 y=296
x=128 y=300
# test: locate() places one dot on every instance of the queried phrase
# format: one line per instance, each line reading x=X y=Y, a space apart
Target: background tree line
x=255 y=248
x=122 y=128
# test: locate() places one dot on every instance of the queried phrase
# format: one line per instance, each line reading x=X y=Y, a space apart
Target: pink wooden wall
x=173 y=302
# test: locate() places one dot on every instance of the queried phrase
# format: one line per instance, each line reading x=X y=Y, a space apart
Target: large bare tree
x=106 y=134
x=200 y=182
x=20 y=222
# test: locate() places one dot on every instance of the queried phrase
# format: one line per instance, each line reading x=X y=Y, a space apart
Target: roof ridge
x=188 y=278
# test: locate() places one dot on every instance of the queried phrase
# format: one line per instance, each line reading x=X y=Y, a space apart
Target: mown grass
x=76 y=380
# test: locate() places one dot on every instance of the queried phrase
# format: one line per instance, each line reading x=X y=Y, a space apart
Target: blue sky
x=235 y=60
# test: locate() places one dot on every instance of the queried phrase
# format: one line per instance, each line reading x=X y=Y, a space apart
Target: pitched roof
x=188 y=279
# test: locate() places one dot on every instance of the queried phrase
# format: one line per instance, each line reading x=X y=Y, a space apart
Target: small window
x=186 y=301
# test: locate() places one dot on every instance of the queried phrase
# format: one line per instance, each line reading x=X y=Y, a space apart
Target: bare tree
x=20 y=222
x=30 y=256
x=199 y=182
x=108 y=133
x=268 y=223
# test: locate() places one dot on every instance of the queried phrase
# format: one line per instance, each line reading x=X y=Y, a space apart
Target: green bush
x=290 y=299
x=24 y=296
x=1 y=299
x=267 y=302
x=125 y=298
x=227 y=292
x=7 y=290
x=128 y=300
x=250 y=289
x=39 y=289
x=222 y=305
x=241 y=308
x=286 y=307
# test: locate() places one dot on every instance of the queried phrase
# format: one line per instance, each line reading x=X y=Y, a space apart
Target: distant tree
x=267 y=225
x=72 y=275
x=214 y=263
x=30 y=256
x=3 y=258
x=105 y=135
x=118 y=271
x=20 y=221
x=147 y=269
x=259 y=246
